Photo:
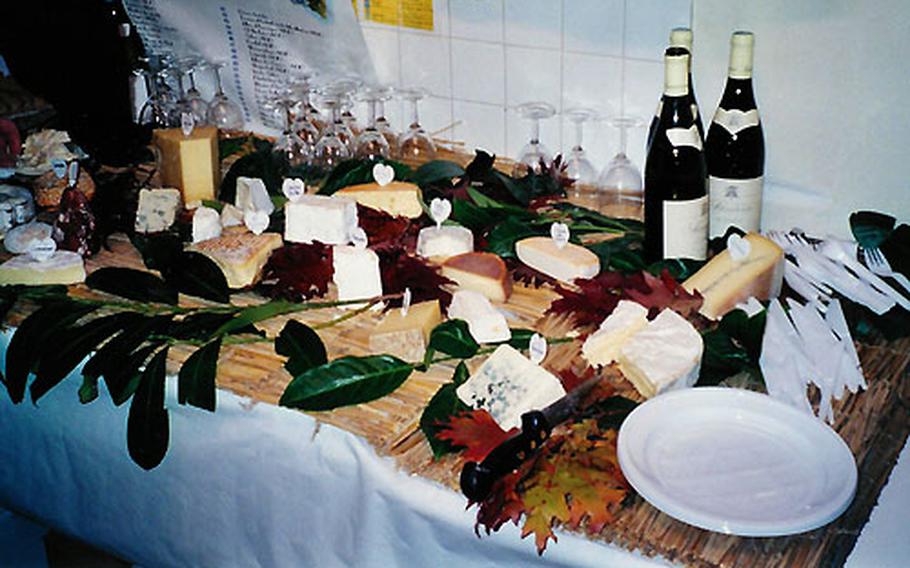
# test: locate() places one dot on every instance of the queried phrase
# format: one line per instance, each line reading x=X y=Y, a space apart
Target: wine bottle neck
x=741 y=44
x=676 y=75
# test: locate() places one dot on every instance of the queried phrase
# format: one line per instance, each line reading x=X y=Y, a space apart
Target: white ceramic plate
x=736 y=462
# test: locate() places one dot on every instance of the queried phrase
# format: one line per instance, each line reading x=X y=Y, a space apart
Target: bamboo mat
x=874 y=423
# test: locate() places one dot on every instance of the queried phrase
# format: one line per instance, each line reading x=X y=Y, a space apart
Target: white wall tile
x=478 y=71
x=648 y=25
x=592 y=81
x=441 y=17
x=643 y=87
x=518 y=132
x=476 y=19
x=435 y=113
x=594 y=26
x=482 y=126
x=535 y=23
x=425 y=63
x=532 y=75
x=383 y=47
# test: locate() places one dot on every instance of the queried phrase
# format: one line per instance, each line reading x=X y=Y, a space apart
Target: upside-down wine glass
x=415 y=143
x=154 y=111
x=223 y=112
x=578 y=167
x=621 y=183
x=197 y=104
x=332 y=148
x=534 y=156
x=289 y=151
x=371 y=144
x=382 y=123
x=346 y=87
x=302 y=87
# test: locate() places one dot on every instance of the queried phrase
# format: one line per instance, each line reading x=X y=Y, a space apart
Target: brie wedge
x=328 y=220
x=602 y=347
x=486 y=323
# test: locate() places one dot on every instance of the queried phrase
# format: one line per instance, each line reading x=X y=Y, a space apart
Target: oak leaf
x=476 y=432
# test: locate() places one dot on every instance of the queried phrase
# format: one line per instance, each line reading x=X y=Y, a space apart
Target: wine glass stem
x=192 y=76
x=180 y=86
x=579 y=132
x=288 y=119
x=622 y=138
x=336 y=114
x=535 y=131
x=371 y=106
x=218 y=80
x=415 y=120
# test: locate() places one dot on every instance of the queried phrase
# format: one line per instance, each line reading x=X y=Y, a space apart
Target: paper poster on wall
x=415 y=14
x=263 y=43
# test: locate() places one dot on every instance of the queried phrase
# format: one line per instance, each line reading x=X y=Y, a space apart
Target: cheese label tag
x=559 y=232
x=537 y=349
x=293 y=188
x=738 y=247
x=72 y=173
x=256 y=221
x=405 y=302
x=383 y=174
x=187 y=123
x=359 y=238
x=42 y=249
x=440 y=209
x=59 y=167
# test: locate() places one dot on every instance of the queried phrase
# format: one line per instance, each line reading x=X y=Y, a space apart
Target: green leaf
x=501 y=240
x=598 y=221
x=254 y=314
x=123 y=380
x=89 y=390
x=732 y=347
x=196 y=379
x=453 y=338
x=871 y=228
x=203 y=325
x=147 y=426
x=521 y=338
x=158 y=251
x=133 y=284
x=28 y=343
x=622 y=254
x=73 y=344
x=679 y=268
x=195 y=274
x=302 y=346
x=258 y=164
x=472 y=216
x=521 y=192
x=436 y=171
x=346 y=381
x=354 y=172
x=444 y=404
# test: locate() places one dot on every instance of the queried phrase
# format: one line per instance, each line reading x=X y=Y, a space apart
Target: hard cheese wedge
x=482 y=272
x=439 y=243
x=602 y=347
x=485 y=323
x=356 y=273
x=240 y=254
x=319 y=218
x=725 y=282
x=64 y=267
x=566 y=264
x=406 y=336
x=190 y=163
x=398 y=198
x=507 y=385
x=665 y=355
x=157 y=209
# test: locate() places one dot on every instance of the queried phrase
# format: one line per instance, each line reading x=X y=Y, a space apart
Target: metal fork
x=878 y=264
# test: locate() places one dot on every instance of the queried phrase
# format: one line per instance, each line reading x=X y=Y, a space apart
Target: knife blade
x=477 y=479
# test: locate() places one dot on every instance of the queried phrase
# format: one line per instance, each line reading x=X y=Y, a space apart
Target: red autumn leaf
x=476 y=432
x=298 y=272
x=570 y=379
x=385 y=231
x=658 y=293
x=400 y=270
x=503 y=504
x=523 y=273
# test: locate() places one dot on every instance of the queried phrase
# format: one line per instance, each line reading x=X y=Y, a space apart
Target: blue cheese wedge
x=602 y=347
x=507 y=385
x=157 y=210
x=486 y=323
x=328 y=220
x=63 y=267
x=665 y=355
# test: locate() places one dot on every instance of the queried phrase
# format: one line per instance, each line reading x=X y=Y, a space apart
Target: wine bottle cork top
x=681 y=37
x=741 y=44
x=676 y=73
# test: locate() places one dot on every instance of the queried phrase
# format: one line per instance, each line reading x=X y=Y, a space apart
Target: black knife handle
x=477 y=479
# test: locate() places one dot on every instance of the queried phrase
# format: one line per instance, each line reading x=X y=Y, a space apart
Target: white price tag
x=42 y=249
x=405 y=302
x=560 y=234
x=256 y=221
x=383 y=174
x=738 y=247
x=537 y=349
x=359 y=238
x=293 y=188
x=440 y=209
x=187 y=123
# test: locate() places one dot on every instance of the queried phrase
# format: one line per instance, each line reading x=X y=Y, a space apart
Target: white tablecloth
x=257 y=485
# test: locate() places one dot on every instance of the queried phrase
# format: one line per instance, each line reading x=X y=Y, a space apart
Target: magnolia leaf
x=472 y=216
x=147 y=427
x=593 y=221
x=302 y=346
x=501 y=240
x=88 y=392
x=196 y=379
x=195 y=274
x=123 y=380
x=521 y=338
x=254 y=314
x=158 y=251
x=442 y=407
x=732 y=347
x=453 y=337
x=437 y=171
x=622 y=254
x=136 y=285
x=679 y=268
x=203 y=325
x=353 y=172
x=259 y=164
x=871 y=228
x=28 y=343
x=346 y=381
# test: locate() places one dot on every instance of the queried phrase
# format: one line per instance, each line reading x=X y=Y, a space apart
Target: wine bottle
x=680 y=37
x=735 y=149
x=676 y=200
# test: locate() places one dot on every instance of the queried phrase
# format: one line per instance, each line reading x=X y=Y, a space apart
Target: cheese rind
x=206 y=224
x=481 y=272
x=724 y=282
x=665 y=355
x=231 y=216
x=602 y=347
x=190 y=163
x=18 y=239
x=565 y=264
x=63 y=267
x=507 y=385
x=319 y=218
x=439 y=243
x=251 y=195
x=397 y=198
x=157 y=210
x=239 y=254
x=356 y=273
x=485 y=323
x=406 y=336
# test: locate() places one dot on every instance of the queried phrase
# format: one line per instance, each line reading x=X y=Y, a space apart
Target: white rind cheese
x=157 y=209
x=565 y=264
x=356 y=273
x=396 y=198
x=665 y=355
x=486 y=323
x=252 y=195
x=63 y=267
x=602 y=347
x=18 y=239
x=231 y=216
x=206 y=224
x=444 y=242
x=319 y=218
x=239 y=254
x=507 y=385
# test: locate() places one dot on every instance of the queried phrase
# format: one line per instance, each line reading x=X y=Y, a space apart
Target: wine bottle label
x=734 y=121
x=684 y=137
x=734 y=202
x=686 y=228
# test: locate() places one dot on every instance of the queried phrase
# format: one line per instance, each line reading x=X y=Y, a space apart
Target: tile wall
x=484 y=57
